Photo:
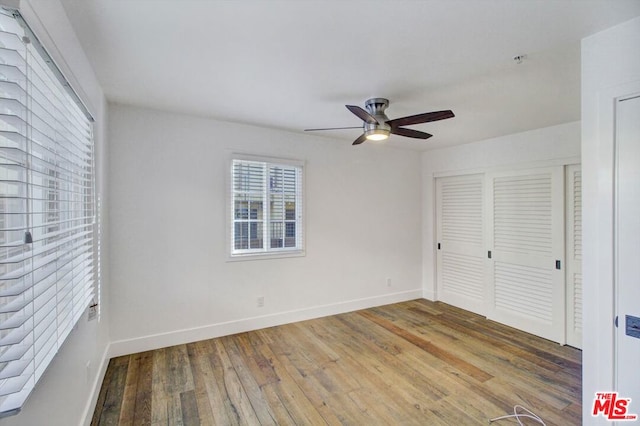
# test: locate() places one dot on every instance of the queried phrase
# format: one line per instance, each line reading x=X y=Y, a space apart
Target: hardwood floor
x=415 y=362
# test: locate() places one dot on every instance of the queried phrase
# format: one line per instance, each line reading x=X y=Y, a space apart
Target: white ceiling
x=294 y=64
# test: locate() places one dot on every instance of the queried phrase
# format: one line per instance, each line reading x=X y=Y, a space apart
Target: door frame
x=598 y=300
x=620 y=323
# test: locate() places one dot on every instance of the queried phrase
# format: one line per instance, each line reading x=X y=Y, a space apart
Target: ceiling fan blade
x=362 y=114
x=333 y=128
x=410 y=133
x=421 y=118
x=361 y=139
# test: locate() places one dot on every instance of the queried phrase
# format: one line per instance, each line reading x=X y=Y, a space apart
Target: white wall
x=64 y=396
x=171 y=282
x=610 y=66
x=365 y=222
x=558 y=143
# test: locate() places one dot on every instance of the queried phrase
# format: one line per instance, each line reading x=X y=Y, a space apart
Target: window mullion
x=282 y=209
x=266 y=217
x=280 y=224
x=298 y=217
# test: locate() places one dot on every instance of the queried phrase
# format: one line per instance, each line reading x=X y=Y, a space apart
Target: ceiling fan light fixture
x=377 y=126
x=376 y=134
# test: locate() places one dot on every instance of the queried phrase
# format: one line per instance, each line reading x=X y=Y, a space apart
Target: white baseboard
x=90 y=407
x=429 y=295
x=179 y=337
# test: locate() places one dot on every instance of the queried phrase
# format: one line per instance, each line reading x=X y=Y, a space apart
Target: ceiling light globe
x=376 y=134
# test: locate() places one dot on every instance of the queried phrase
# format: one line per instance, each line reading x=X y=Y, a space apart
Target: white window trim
x=275 y=253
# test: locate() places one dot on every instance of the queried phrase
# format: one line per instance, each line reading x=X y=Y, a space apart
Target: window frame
x=266 y=252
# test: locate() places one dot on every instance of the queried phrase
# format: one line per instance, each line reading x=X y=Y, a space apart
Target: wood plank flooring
x=416 y=362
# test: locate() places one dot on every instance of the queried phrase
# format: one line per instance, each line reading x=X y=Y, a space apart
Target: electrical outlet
x=388 y=282
x=260 y=301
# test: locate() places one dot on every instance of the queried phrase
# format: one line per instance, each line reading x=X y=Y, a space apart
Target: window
x=266 y=207
x=46 y=211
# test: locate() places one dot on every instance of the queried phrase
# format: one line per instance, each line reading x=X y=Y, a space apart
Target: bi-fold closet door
x=525 y=250
x=573 y=257
x=501 y=247
x=461 y=242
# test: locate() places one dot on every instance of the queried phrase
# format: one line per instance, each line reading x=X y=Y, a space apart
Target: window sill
x=265 y=256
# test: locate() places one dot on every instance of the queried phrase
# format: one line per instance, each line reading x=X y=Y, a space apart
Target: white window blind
x=266 y=207
x=46 y=212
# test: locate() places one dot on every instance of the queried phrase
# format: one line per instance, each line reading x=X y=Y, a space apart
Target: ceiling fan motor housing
x=376 y=107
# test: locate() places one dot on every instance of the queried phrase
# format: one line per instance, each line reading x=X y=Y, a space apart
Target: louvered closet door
x=460 y=257
x=574 y=255
x=526 y=238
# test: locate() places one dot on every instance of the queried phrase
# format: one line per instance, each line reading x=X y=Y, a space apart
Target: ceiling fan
x=377 y=125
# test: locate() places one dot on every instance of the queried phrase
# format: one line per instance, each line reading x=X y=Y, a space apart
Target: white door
x=574 y=254
x=627 y=249
x=460 y=250
x=525 y=211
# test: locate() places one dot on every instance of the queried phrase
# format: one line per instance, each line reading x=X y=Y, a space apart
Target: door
x=627 y=249
x=525 y=252
x=573 y=202
x=460 y=240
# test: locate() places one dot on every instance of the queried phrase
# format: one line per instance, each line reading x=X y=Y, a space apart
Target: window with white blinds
x=266 y=207
x=46 y=212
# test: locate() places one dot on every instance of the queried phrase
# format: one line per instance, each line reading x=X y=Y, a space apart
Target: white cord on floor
x=530 y=415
